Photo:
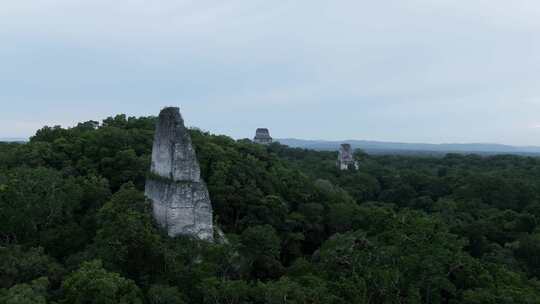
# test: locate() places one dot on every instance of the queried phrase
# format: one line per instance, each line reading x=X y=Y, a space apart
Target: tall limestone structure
x=346 y=158
x=262 y=136
x=180 y=198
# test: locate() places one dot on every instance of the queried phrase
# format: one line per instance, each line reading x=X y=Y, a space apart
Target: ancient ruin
x=346 y=158
x=180 y=199
x=262 y=136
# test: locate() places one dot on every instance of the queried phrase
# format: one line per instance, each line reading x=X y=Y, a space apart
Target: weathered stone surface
x=346 y=158
x=173 y=155
x=183 y=209
x=180 y=199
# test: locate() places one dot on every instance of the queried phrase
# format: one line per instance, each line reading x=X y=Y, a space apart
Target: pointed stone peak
x=180 y=199
x=173 y=156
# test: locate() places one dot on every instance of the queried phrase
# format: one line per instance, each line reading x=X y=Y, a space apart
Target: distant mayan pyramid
x=262 y=136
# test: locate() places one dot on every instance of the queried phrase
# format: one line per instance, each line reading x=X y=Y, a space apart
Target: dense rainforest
x=75 y=226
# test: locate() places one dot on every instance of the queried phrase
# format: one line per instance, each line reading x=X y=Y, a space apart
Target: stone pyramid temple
x=180 y=199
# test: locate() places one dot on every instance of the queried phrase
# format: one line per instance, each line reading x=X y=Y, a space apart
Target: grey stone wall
x=173 y=155
x=180 y=199
x=182 y=208
x=346 y=157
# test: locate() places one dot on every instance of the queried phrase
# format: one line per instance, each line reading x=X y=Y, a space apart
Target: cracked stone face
x=173 y=155
x=180 y=199
x=181 y=208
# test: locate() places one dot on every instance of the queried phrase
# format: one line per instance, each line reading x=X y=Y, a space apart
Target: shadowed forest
x=75 y=226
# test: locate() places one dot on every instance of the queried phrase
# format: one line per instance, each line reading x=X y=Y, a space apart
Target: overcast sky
x=395 y=70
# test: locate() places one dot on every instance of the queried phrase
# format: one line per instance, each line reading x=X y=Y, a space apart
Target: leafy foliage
x=34 y=292
x=93 y=284
x=75 y=226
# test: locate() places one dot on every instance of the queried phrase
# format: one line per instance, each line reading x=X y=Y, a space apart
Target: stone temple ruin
x=262 y=136
x=180 y=199
x=346 y=158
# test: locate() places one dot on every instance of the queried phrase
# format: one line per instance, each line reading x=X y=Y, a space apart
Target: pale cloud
x=418 y=70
